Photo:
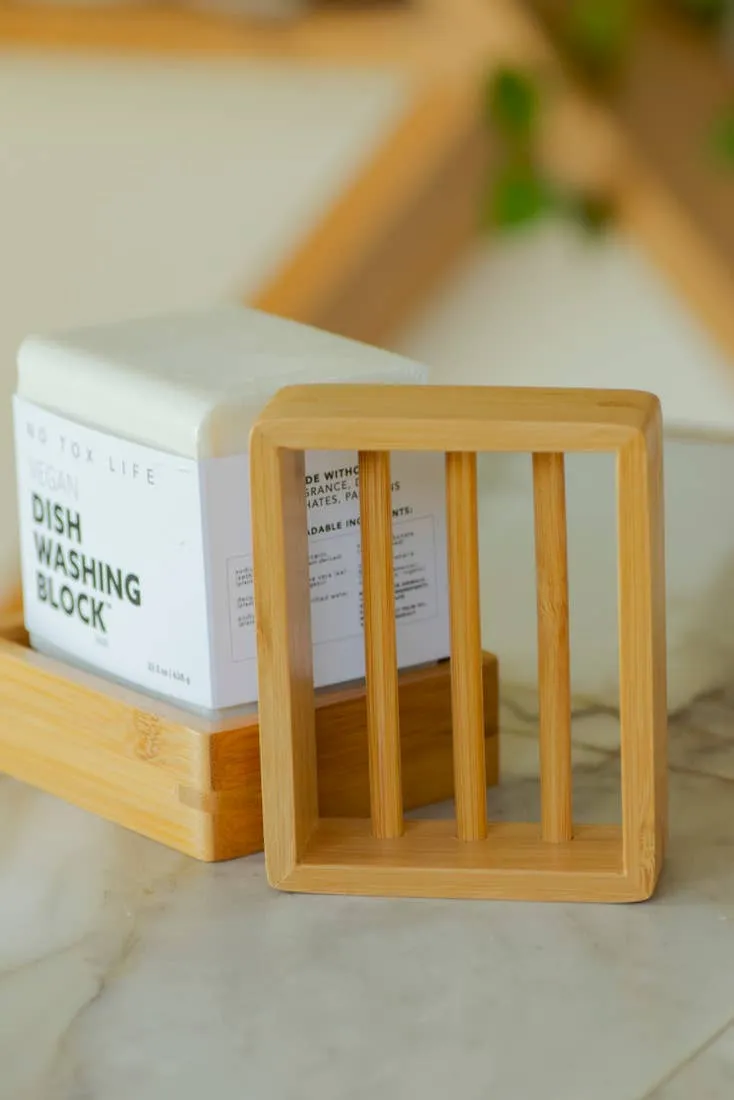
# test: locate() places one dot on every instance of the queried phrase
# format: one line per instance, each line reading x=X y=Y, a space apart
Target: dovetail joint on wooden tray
x=170 y=775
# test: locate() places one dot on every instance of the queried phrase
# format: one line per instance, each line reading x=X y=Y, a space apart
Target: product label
x=139 y=562
x=112 y=553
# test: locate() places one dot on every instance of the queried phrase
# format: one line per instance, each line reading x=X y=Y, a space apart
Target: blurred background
x=526 y=192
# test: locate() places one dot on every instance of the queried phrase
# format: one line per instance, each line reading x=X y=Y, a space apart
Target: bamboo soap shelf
x=172 y=776
x=555 y=859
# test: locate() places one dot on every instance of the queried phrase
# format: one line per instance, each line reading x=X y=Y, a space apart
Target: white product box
x=133 y=486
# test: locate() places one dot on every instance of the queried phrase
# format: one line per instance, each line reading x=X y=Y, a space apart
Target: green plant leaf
x=513 y=101
x=518 y=196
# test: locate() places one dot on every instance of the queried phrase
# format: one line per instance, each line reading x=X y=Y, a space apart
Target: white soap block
x=134 y=496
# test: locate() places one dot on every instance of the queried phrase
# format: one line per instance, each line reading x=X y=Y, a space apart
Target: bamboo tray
x=193 y=786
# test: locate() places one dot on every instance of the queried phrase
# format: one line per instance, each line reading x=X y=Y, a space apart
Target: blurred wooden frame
x=413 y=210
x=420 y=36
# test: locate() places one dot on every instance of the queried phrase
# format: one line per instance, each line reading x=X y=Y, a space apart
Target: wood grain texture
x=174 y=777
x=113 y=752
x=514 y=861
x=380 y=642
x=554 y=655
x=285 y=652
x=466 y=646
x=642 y=654
x=429 y=861
x=454 y=418
x=426 y=741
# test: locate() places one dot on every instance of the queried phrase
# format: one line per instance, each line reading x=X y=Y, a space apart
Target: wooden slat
x=428 y=861
x=468 y=418
x=147 y=764
x=466 y=646
x=554 y=663
x=426 y=740
x=285 y=654
x=642 y=655
x=380 y=640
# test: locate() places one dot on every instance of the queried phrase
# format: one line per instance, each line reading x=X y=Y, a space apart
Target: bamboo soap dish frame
x=471 y=857
x=174 y=777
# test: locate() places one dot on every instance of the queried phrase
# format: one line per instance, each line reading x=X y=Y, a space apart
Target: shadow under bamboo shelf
x=194 y=786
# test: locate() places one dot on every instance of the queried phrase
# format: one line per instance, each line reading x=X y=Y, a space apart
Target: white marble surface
x=708 y=1074
x=128 y=971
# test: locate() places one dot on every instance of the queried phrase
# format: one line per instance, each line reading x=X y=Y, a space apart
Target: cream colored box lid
x=191 y=383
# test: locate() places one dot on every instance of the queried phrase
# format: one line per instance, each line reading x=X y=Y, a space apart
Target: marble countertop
x=129 y=971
